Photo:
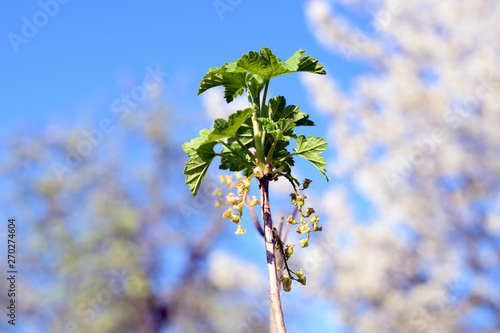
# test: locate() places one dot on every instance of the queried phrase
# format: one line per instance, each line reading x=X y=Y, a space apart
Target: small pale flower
x=254 y=201
x=303 y=228
x=227 y=213
x=239 y=207
x=232 y=199
x=240 y=230
x=315 y=218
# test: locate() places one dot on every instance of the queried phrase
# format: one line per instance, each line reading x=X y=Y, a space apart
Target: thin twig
x=254 y=217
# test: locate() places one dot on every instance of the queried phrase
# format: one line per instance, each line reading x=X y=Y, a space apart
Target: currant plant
x=254 y=141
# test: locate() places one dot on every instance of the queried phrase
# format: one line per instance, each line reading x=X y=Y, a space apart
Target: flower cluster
x=235 y=202
x=304 y=226
x=307 y=224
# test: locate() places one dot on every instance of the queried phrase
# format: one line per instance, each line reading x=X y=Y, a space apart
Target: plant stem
x=252 y=156
x=269 y=158
x=274 y=294
x=257 y=130
x=264 y=99
x=263 y=139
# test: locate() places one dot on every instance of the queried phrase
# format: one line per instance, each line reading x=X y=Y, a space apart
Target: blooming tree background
x=417 y=140
x=411 y=216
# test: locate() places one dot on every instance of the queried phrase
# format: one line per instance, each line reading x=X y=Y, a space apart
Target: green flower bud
x=240 y=190
x=238 y=175
x=300 y=200
x=246 y=182
x=294 y=199
x=306 y=183
x=222 y=179
x=301 y=276
x=309 y=211
x=291 y=220
x=289 y=249
x=304 y=242
x=315 y=218
x=316 y=228
x=235 y=218
x=287 y=282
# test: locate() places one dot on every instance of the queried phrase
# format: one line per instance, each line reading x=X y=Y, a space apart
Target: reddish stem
x=274 y=294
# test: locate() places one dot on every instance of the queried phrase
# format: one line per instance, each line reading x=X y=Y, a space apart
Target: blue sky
x=73 y=63
x=85 y=54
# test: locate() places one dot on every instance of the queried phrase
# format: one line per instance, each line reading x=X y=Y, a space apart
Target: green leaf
x=253 y=70
x=255 y=84
x=222 y=129
x=191 y=146
x=228 y=129
x=282 y=129
x=197 y=166
x=277 y=109
x=287 y=161
x=245 y=133
x=267 y=65
x=228 y=161
x=310 y=148
x=311 y=65
x=233 y=83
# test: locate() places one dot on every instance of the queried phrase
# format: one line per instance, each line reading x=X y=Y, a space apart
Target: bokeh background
x=97 y=98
